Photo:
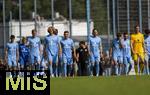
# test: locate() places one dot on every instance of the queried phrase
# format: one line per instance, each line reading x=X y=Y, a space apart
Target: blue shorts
x=127 y=60
x=94 y=58
x=23 y=61
x=53 y=58
x=12 y=62
x=34 y=59
x=67 y=60
x=118 y=59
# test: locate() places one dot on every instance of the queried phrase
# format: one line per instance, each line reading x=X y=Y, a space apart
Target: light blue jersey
x=52 y=47
x=34 y=49
x=12 y=49
x=67 y=45
x=147 y=57
x=117 y=51
x=126 y=48
x=94 y=45
x=147 y=45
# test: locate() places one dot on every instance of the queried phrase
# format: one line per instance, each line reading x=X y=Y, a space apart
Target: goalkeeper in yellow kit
x=138 y=50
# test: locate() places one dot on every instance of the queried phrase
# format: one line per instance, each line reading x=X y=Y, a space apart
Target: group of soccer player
x=59 y=56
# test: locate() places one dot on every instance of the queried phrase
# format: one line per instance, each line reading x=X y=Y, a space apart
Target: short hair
x=51 y=28
x=94 y=29
x=56 y=30
x=33 y=30
x=119 y=34
x=147 y=31
x=125 y=33
x=23 y=38
x=12 y=37
x=66 y=32
x=137 y=26
x=82 y=42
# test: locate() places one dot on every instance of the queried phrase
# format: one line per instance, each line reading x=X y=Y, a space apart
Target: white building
x=79 y=28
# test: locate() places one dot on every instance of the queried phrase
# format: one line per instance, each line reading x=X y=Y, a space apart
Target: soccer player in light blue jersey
x=67 y=46
x=127 y=58
x=117 y=53
x=147 y=48
x=34 y=48
x=60 y=65
x=12 y=54
x=52 y=49
x=95 y=50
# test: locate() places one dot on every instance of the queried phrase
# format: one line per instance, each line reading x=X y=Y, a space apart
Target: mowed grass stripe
x=122 y=85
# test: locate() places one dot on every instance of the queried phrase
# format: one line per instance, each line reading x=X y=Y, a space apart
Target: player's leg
x=70 y=66
x=43 y=65
x=125 y=62
x=64 y=60
x=60 y=65
x=55 y=65
x=22 y=62
x=146 y=67
x=92 y=63
x=38 y=64
x=142 y=62
x=120 y=65
x=9 y=67
x=97 y=61
x=115 y=59
x=50 y=64
x=136 y=63
x=14 y=65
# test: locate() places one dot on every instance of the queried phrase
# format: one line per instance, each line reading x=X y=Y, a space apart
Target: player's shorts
x=23 y=60
x=147 y=57
x=34 y=59
x=127 y=60
x=12 y=62
x=118 y=59
x=94 y=58
x=138 y=55
x=53 y=58
x=67 y=60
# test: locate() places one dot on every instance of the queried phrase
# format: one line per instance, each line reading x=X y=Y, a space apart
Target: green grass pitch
x=114 y=85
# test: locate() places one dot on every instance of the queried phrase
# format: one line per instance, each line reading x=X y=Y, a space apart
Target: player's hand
x=74 y=56
x=89 y=53
x=133 y=52
x=5 y=62
x=59 y=54
x=101 y=55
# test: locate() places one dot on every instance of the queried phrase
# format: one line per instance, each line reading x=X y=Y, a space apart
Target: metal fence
x=108 y=16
